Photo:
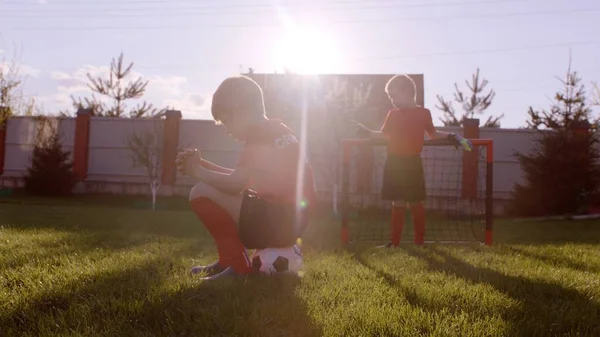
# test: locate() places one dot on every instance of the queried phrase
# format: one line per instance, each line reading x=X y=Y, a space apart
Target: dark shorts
x=403 y=179
x=269 y=225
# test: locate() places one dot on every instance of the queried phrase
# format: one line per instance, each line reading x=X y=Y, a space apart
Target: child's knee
x=399 y=203
x=202 y=190
x=231 y=203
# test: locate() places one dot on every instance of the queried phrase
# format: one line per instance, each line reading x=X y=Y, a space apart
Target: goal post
x=459 y=186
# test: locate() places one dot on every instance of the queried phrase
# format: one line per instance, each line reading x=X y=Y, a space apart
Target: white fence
x=110 y=164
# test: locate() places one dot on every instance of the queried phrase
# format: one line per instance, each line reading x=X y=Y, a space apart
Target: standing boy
x=264 y=201
x=403 y=179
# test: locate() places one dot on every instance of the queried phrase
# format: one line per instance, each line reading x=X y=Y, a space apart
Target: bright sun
x=307 y=50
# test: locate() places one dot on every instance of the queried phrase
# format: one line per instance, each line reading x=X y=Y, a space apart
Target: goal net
x=458 y=185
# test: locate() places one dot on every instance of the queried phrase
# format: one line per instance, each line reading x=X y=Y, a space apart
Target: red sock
x=398 y=214
x=223 y=229
x=418 y=215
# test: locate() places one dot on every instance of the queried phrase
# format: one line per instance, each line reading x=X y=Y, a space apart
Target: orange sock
x=223 y=229
x=397 y=225
x=418 y=215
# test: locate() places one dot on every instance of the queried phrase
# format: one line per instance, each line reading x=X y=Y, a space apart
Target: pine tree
x=51 y=170
x=475 y=104
x=561 y=174
x=115 y=92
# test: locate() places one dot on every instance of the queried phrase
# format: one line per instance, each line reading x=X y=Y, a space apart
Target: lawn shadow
x=89 y=229
x=177 y=224
x=87 y=243
x=88 y=304
x=415 y=299
x=251 y=306
x=558 y=261
x=146 y=299
x=547 y=232
x=546 y=308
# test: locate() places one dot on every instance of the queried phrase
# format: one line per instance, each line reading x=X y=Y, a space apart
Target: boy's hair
x=235 y=92
x=403 y=83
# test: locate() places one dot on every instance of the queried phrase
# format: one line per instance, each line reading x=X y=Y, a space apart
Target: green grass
x=99 y=267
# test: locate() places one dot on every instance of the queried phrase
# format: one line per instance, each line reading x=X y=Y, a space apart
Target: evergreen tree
x=115 y=92
x=51 y=170
x=561 y=173
x=472 y=105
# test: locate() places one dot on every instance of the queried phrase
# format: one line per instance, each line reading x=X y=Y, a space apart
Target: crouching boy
x=263 y=202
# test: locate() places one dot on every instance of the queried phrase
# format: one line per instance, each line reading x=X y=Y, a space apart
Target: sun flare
x=307 y=50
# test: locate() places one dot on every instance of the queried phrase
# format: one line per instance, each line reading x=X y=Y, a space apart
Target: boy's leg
x=392 y=190
x=397 y=224
x=415 y=193
x=219 y=212
x=418 y=214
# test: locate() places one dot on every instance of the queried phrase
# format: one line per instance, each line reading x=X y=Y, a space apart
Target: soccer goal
x=459 y=187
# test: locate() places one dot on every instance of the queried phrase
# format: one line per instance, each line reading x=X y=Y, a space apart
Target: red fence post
x=170 y=144
x=81 y=146
x=470 y=172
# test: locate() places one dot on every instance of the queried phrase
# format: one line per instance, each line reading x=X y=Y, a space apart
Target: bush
x=51 y=171
x=562 y=173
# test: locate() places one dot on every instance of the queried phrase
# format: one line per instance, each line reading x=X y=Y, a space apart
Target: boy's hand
x=181 y=156
x=188 y=161
x=459 y=140
x=361 y=129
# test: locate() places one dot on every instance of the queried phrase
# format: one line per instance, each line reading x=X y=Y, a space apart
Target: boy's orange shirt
x=272 y=153
x=406 y=129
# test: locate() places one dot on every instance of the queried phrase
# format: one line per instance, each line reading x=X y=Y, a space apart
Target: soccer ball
x=278 y=260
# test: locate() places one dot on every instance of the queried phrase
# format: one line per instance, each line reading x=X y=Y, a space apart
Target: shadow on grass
x=546 y=308
x=560 y=260
x=253 y=306
x=178 y=224
x=87 y=244
x=138 y=301
x=416 y=300
x=547 y=232
x=87 y=304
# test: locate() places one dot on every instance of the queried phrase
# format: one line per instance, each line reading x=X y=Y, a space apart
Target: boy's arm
x=375 y=134
x=456 y=139
x=231 y=183
x=432 y=132
x=214 y=167
x=235 y=181
x=436 y=134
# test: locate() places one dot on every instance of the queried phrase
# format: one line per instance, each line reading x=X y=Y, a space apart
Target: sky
x=185 y=48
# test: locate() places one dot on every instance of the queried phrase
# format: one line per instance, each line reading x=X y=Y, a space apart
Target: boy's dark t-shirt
x=272 y=152
x=406 y=129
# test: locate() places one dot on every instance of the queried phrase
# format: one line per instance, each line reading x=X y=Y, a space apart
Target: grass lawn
x=104 y=268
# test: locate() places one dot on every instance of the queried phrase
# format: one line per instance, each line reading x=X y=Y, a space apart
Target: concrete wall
x=110 y=167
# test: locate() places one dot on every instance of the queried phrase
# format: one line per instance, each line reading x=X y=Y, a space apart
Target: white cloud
x=27 y=70
x=21 y=70
x=170 y=85
x=162 y=91
x=191 y=106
